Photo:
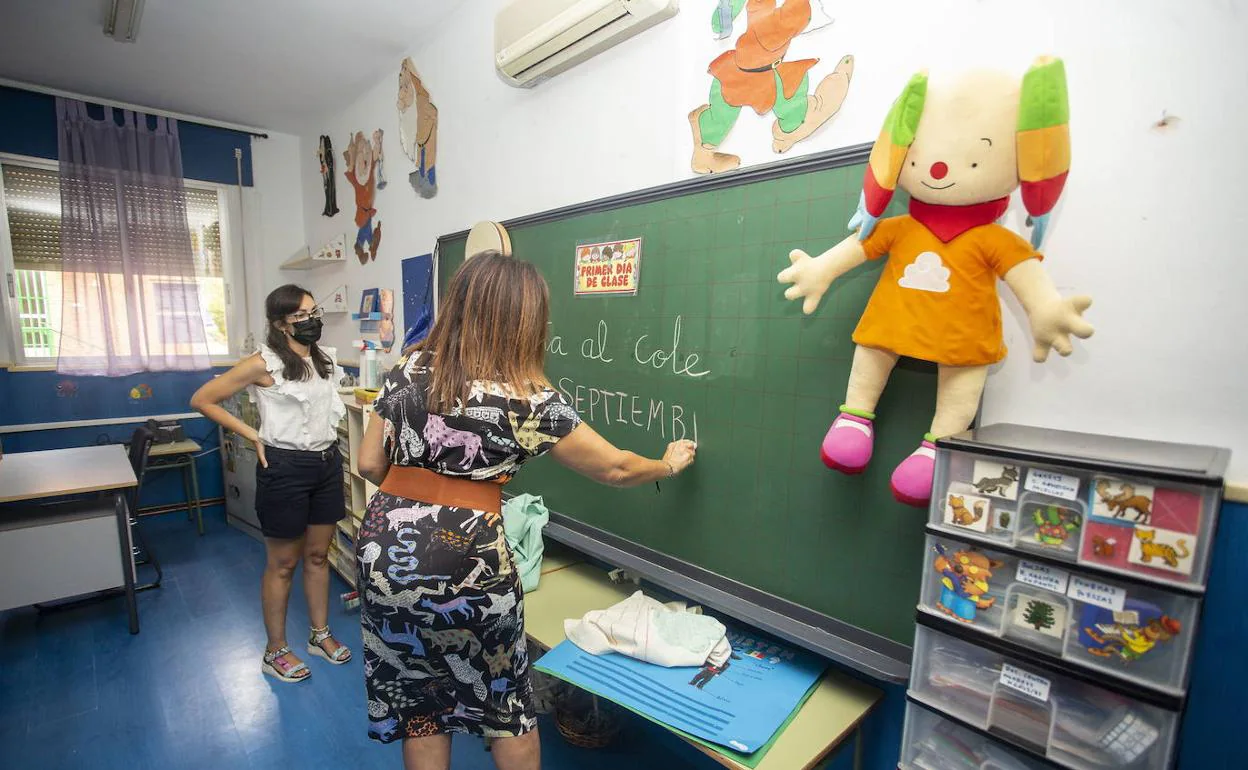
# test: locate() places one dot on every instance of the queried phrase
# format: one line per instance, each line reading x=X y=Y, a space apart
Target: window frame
x=228 y=198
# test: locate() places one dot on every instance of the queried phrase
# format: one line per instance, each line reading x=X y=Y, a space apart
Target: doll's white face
x=964 y=151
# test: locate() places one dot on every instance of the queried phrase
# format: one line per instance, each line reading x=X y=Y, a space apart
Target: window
x=32 y=203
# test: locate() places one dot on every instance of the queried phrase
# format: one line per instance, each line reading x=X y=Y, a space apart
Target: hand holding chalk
x=680 y=455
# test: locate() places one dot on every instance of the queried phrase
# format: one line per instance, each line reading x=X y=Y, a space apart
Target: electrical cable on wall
x=248 y=345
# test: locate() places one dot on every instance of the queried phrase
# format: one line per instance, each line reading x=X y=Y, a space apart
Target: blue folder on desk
x=739 y=705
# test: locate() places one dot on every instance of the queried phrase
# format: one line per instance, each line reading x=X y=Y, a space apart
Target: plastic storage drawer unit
x=1132 y=630
x=1067 y=719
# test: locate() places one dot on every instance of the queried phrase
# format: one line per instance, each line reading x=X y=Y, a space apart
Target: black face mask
x=306 y=332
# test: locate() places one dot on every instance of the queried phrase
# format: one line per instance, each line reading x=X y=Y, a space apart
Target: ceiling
x=276 y=64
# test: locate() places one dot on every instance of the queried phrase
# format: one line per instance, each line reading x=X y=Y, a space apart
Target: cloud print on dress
x=926 y=273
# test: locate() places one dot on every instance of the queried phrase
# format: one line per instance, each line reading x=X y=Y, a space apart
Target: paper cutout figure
x=141 y=392
x=755 y=74
x=418 y=130
x=385 y=329
x=325 y=154
x=66 y=389
x=379 y=153
x=362 y=160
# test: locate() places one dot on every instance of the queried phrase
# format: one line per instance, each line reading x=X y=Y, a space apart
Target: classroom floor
x=78 y=691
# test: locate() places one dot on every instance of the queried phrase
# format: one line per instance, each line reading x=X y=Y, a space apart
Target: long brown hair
x=491 y=326
x=281 y=302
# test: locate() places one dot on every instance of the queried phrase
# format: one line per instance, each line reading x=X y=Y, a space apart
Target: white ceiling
x=276 y=64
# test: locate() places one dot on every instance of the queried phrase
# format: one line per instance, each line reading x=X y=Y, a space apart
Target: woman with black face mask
x=299 y=472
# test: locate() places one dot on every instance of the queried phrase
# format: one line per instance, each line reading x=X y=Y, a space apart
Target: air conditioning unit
x=537 y=39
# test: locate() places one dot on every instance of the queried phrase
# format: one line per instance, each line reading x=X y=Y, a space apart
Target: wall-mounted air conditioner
x=536 y=39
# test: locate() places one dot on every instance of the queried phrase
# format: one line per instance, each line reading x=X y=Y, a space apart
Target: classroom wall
x=269 y=216
x=1144 y=227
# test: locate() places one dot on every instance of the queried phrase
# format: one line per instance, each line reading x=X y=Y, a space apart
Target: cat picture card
x=1162 y=549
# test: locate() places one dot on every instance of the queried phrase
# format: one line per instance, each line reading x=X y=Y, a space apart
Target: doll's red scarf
x=948 y=222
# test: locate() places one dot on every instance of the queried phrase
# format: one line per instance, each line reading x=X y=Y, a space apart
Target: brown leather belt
x=429 y=487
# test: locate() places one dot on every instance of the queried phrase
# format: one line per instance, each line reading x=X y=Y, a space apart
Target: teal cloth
x=523 y=519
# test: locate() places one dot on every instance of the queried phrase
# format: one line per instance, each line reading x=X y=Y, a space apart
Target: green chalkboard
x=759 y=506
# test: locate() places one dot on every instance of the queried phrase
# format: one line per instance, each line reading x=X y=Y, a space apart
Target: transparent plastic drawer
x=1131 y=631
x=1155 y=530
x=931 y=742
x=1069 y=721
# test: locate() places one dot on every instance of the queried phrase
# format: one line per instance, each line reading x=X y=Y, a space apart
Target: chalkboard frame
x=852 y=646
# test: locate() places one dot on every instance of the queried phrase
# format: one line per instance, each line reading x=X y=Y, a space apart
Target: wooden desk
x=49 y=552
x=181 y=455
x=834 y=710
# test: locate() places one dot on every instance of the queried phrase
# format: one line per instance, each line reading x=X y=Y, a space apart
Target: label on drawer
x=1028 y=684
x=1042 y=576
x=1100 y=594
x=1053 y=483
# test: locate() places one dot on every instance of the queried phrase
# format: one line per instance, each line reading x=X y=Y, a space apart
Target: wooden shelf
x=303 y=259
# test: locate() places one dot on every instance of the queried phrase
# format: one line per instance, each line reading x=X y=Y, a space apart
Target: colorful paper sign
x=612 y=268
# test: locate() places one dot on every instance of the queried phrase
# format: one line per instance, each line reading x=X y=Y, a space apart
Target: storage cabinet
x=1060 y=599
x=357 y=490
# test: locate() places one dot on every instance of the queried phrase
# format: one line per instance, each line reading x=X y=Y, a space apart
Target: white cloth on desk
x=299 y=414
x=646 y=629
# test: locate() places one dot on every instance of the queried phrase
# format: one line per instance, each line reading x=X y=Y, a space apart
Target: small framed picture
x=370 y=299
x=968 y=511
x=1122 y=500
x=996 y=479
x=1162 y=549
x=1040 y=615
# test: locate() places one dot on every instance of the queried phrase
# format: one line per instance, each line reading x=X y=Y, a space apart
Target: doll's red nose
x=939 y=169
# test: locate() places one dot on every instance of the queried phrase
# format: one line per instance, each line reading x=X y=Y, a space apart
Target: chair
x=140 y=447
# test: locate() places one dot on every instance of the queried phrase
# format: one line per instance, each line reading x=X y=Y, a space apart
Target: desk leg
x=127 y=560
x=199 y=507
x=858 y=747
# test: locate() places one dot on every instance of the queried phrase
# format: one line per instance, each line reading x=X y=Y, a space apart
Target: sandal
x=283 y=671
x=318 y=637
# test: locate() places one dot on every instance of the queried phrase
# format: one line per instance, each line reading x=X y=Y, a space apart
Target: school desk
x=829 y=716
x=50 y=552
x=181 y=455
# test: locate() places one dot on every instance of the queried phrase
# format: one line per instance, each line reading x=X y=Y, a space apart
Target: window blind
x=33 y=203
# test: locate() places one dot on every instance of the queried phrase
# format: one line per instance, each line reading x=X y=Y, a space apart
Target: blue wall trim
x=28 y=127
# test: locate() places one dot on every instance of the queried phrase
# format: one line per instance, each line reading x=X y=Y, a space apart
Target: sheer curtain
x=130 y=298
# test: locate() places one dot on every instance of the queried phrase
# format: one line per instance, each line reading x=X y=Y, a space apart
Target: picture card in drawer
x=1156 y=532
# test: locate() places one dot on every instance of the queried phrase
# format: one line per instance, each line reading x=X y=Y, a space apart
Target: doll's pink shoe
x=912 y=479
x=848 y=444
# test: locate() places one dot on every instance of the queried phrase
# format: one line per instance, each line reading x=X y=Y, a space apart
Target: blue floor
x=78 y=691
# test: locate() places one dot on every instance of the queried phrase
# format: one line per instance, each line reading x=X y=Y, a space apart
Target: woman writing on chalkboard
x=442 y=618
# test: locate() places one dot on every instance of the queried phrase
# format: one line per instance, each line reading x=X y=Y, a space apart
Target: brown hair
x=491 y=326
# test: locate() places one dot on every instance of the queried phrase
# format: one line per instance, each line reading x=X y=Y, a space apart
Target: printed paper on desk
x=1100 y=594
x=1053 y=483
x=1027 y=683
x=1042 y=576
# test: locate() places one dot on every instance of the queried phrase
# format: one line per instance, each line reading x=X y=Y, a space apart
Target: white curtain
x=130 y=298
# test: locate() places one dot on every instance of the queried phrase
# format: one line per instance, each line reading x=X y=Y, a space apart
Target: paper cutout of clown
x=755 y=74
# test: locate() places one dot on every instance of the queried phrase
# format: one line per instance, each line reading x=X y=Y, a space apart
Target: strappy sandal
x=270 y=667
x=317 y=637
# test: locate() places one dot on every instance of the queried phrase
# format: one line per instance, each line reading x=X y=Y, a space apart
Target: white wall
x=1144 y=226
x=274 y=218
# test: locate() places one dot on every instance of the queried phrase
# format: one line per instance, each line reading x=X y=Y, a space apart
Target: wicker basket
x=586 y=721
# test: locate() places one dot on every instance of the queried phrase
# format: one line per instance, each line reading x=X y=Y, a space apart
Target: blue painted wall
x=28 y=127
x=31 y=397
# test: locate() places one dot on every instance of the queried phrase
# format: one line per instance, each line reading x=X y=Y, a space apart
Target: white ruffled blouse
x=298 y=414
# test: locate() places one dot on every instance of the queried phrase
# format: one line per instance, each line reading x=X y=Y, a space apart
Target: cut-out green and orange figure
x=755 y=74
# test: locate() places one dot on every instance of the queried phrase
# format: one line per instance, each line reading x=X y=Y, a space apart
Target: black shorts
x=298 y=489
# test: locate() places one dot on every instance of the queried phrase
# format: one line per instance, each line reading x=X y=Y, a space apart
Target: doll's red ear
x=1043 y=140
x=889 y=153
